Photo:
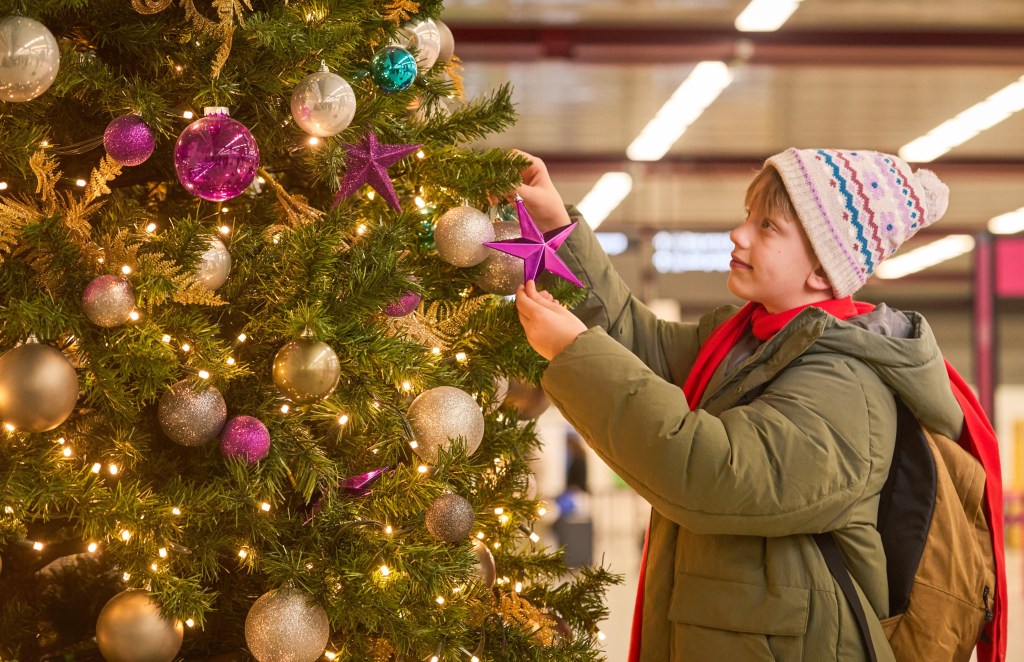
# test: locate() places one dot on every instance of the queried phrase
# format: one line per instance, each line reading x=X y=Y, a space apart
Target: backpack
x=938 y=548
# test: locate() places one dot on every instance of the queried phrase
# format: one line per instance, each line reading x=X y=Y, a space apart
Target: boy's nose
x=736 y=235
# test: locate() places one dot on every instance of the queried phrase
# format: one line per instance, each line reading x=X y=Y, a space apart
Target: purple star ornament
x=367 y=163
x=538 y=251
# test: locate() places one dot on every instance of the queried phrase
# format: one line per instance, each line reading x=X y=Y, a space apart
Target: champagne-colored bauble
x=214 y=265
x=131 y=628
x=528 y=400
x=502 y=273
x=450 y=518
x=485 y=563
x=460 y=234
x=306 y=370
x=323 y=104
x=108 y=301
x=447 y=42
x=29 y=58
x=424 y=36
x=286 y=625
x=192 y=417
x=442 y=414
x=38 y=387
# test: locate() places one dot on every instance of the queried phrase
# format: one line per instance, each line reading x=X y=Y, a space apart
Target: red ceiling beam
x=649 y=43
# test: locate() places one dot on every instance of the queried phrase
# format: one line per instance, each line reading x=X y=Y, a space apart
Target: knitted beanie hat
x=857 y=207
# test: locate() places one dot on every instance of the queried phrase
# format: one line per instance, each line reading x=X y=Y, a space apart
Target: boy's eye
x=767 y=225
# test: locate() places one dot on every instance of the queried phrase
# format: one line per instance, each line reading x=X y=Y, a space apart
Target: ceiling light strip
x=966 y=125
x=765 y=15
x=610 y=190
x=926 y=256
x=691 y=98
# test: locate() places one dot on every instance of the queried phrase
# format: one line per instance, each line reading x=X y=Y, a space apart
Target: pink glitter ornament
x=216 y=157
x=246 y=438
x=129 y=140
x=403 y=306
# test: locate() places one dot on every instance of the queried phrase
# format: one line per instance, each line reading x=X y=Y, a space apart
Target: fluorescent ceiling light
x=966 y=125
x=697 y=92
x=765 y=15
x=1011 y=222
x=608 y=192
x=919 y=259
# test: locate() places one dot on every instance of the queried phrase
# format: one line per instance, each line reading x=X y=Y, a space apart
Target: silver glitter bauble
x=306 y=370
x=29 y=58
x=192 y=417
x=108 y=301
x=286 y=625
x=323 y=104
x=502 y=273
x=460 y=234
x=442 y=414
x=444 y=56
x=450 y=518
x=424 y=36
x=131 y=628
x=214 y=265
x=38 y=387
x=485 y=563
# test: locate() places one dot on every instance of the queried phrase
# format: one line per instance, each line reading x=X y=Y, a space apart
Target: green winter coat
x=793 y=439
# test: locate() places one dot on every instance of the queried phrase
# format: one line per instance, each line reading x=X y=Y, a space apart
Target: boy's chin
x=735 y=288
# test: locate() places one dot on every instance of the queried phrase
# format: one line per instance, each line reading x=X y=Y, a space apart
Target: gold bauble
x=38 y=387
x=131 y=628
x=306 y=370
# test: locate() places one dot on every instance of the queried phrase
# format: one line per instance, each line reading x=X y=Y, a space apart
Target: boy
x=785 y=423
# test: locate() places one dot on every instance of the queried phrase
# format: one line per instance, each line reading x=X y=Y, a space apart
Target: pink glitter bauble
x=129 y=140
x=403 y=306
x=246 y=438
x=216 y=157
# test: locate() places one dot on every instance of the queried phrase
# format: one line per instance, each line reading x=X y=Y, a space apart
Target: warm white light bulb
x=285 y=409
x=67 y=451
x=126 y=535
x=162 y=552
x=384 y=570
x=343 y=419
x=93 y=547
x=96 y=467
x=38 y=546
x=265 y=507
x=134 y=316
x=242 y=553
x=175 y=511
x=185 y=347
x=151 y=228
x=79 y=182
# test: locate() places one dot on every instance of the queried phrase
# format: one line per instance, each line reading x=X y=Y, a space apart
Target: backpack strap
x=837 y=566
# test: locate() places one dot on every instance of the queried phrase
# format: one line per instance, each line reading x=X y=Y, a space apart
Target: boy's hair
x=857 y=207
x=768 y=191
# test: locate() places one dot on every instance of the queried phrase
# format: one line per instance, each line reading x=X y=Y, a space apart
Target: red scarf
x=977 y=437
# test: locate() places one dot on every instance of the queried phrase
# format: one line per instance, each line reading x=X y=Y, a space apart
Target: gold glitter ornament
x=108 y=301
x=441 y=414
x=130 y=628
x=460 y=234
x=38 y=387
x=286 y=625
x=192 y=417
x=502 y=273
x=542 y=626
x=450 y=518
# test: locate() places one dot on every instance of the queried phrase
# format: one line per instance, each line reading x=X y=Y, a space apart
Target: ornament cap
x=216 y=110
x=31 y=340
x=323 y=66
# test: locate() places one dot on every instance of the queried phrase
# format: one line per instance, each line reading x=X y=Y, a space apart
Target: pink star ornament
x=367 y=163
x=538 y=251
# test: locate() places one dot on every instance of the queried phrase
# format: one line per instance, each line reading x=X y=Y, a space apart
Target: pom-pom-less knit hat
x=857 y=207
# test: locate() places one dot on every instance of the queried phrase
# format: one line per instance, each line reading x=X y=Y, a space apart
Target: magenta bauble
x=129 y=140
x=245 y=438
x=216 y=157
x=403 y=306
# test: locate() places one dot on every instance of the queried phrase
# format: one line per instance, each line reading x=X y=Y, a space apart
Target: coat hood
x=902 y=351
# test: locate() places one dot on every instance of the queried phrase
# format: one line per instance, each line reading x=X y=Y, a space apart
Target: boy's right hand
x=540 y=196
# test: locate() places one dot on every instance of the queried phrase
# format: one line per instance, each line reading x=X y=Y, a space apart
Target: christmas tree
x=252 y=347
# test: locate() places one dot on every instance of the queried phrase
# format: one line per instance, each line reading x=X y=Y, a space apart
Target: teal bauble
x=393 y=69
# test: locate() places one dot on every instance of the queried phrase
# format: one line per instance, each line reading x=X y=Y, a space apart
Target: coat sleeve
x=668 y=348
x=796 y=459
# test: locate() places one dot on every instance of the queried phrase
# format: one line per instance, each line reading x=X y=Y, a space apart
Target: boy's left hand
x=549 y=327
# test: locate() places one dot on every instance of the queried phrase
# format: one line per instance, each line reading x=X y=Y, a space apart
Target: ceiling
x=868 y=74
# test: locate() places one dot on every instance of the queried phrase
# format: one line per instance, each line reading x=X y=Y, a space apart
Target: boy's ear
x=818 y=281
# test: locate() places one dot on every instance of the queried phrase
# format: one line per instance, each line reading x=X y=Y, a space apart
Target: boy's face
x=773 y=263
